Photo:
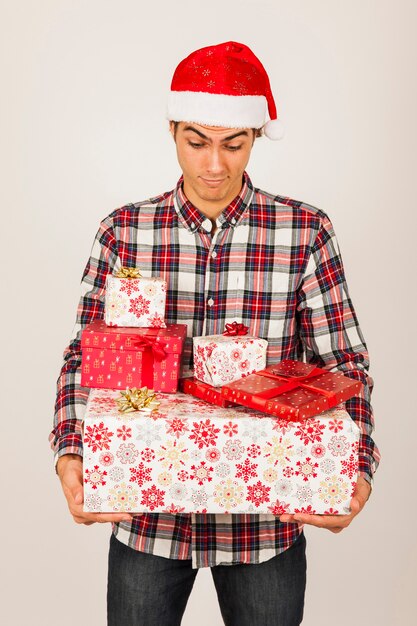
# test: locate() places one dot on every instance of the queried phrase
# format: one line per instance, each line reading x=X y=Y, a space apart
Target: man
x=228 y=252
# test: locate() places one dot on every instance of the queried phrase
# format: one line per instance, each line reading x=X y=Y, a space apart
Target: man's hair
x=257 y=132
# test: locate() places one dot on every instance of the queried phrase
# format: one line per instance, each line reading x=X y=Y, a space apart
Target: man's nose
x=214 y=161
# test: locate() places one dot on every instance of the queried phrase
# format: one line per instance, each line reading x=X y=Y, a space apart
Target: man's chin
x=216 y=194
x=212 y=197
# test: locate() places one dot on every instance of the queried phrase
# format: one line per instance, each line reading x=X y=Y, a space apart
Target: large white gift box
x=191 y=456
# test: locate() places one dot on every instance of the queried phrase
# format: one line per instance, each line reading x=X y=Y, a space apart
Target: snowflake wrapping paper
x=292 y=390
x=191 y=456
x=137 y=302
x=116 y=358
x=221 y=359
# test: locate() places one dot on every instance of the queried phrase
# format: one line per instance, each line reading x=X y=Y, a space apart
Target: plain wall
x=82 y=130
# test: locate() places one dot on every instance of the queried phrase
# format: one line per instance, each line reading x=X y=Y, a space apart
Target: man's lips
x=212 y=182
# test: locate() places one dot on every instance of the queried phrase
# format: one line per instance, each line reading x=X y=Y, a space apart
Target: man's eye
x=233 y=148
x=195 y=145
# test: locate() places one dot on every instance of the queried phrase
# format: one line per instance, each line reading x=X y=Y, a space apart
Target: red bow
x=235 y=328
x=158 y=351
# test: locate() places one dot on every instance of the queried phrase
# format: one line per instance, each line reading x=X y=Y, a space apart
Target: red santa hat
x=224 y=85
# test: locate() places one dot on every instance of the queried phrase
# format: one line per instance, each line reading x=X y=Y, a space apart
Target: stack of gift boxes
x=239 y=437
x=132 y=346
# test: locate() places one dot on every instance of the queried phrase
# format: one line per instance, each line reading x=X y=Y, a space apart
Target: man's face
x=212 y=160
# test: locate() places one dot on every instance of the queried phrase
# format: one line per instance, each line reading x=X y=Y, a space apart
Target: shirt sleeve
x=332 y=338
x=71 y=398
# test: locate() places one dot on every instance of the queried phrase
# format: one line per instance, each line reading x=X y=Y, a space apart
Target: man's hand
x=70 y=472
x=335 y=523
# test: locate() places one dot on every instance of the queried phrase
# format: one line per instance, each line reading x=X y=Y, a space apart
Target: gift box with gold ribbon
x=159 y=453
x=292 y=390
x=134 y=300
x=116 y=358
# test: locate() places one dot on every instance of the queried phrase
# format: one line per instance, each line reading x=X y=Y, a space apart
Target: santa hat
x=224 y=85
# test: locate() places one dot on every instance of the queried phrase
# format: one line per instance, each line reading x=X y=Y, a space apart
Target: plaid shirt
x=273 y=264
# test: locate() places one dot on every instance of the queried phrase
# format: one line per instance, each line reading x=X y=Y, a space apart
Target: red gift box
x=292 y=390
x=116 y=358
x=204 y=391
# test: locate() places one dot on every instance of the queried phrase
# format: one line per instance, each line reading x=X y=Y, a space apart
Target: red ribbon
x=235 y=328
x=151 y=351
x=292 y=382
x=158 y=351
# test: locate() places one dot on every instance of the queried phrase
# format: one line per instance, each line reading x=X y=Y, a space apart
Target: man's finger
x=84 y=517
x=102 y=518
x=288 y=518
x=335 y=523
x=322 y=521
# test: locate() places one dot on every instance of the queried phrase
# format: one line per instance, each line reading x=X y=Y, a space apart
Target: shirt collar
x=231 y=215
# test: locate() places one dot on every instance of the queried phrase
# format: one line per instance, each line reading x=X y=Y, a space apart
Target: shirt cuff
x=67 y=448
x=368 y=479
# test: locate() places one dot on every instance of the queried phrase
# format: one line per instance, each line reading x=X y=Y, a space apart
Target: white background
x=83 y=92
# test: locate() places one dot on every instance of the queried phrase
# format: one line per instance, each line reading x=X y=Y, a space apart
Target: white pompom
x=274 y=129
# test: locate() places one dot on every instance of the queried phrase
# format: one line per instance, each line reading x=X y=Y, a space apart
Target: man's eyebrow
x=229 y=138
x=238 y=134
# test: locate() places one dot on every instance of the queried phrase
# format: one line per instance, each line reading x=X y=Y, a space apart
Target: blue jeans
x=148 y=590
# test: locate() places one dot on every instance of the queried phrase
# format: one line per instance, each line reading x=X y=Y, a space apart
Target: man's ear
x=172 y=129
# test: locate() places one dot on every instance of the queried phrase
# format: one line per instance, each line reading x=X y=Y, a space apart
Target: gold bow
x=128 y=272
x=134 y=399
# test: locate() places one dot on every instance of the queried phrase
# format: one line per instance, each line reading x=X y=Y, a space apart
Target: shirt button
x=210 y=302
x=207 y=225
x=213 y=255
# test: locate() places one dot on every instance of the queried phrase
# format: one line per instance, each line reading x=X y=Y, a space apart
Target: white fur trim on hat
x=274 y=129
x=213 y=109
